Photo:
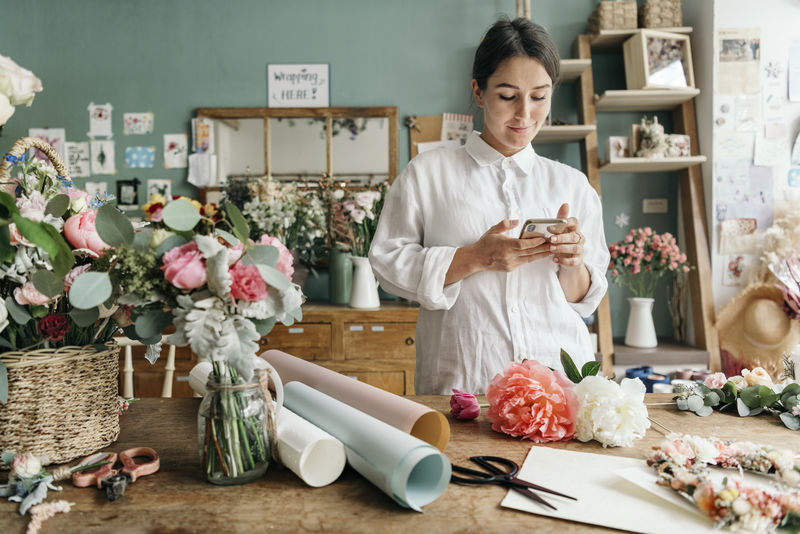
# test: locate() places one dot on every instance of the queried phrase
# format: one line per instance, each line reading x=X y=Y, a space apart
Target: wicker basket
x=661 y=14
x=22 y=145
x=62 y=403
x=613 y=15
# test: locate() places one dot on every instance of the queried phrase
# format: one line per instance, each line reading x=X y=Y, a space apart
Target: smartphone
x=542 y=227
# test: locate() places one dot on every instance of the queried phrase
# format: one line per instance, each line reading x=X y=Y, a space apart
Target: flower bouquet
x=222 y=292
x=354 y=217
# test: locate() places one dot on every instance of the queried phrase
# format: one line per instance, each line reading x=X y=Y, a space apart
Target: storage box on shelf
x=613 y=14
x=658 y=60
x=661 y=14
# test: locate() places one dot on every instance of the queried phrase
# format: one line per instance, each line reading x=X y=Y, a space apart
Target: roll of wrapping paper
x=411 y=471
x=411 y=417
x=311 y=453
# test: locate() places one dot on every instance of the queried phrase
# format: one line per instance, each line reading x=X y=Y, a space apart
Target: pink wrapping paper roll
x=411 y=417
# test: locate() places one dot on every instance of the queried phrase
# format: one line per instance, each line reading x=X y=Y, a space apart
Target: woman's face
x=515 y=103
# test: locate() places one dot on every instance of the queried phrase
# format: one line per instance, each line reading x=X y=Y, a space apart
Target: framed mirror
x=300 y=144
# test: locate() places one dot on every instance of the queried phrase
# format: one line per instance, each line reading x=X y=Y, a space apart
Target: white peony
x=613 y=414
x=6 y=109
x=3 y=315
x=17 y=83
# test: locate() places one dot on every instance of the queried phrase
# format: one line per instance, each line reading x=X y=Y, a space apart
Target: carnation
x=613 y=414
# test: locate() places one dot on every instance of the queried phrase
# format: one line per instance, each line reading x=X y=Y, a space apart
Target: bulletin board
x=423 y=129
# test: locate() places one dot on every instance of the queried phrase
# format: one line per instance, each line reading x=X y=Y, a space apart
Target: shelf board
x=610 y=39
x=643 y=99
x=563 y=134
x=571 y=69
x=668 y=352
x=651 y=164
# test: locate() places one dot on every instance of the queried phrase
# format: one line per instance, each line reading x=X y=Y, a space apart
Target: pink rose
x=81 y=232
x=285 y=260
x=464 y=405
x=246 y=283
x=715 y=381
x=532 y=401
x=27 y=294
x=184 y=267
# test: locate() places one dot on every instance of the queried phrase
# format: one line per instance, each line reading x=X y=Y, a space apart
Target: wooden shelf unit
x=569 y=133
x=571 y=69
x=650 y=164
x=611 y=39
x=644 y=99
x=668 y=352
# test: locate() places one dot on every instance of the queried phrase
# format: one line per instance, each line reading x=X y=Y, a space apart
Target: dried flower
x=464 y=405
x=54 y=326
x=26 y=465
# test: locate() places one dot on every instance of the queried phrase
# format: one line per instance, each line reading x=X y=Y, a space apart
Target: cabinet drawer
x=307 y=341
x=379 y=341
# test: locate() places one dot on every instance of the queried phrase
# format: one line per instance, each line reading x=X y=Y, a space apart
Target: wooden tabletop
x=178 y=500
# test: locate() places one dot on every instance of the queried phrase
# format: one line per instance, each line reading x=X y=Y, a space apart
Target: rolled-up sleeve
x=402 y=265
x=595 y=254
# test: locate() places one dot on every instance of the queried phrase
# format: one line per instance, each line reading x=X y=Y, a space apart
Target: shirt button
x=506 y=163
x=513 y=309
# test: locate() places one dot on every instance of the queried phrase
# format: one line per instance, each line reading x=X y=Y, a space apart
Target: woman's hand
x=495 y=251
x=567 y=248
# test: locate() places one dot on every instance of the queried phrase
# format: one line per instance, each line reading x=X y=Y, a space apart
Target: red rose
x=54 y=327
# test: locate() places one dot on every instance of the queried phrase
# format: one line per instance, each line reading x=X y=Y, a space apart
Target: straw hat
x=754 y=329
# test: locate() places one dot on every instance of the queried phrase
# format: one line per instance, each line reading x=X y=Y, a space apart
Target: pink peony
x=235 y=252
x=81 y=232
x=285 y=260
x=27 y=294
x=247 y=284
x=532 y=401
x=715 y=381
x=184 y=267
x=69 y=279
x=464 y=405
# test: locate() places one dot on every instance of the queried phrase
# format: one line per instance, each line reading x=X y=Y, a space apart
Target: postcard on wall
x=159 y=187
x=203 y=170
x=738 y=236
x=739 y=61
x=771 y=152
x=96 y=189
x=78 y=159
x=743 y=191
x=175 y=151
x=736 y=268
x=102 y=153
x=140 y=157
x=100 y=120
x=747 y=113
x=137 y=123
x=203 y=135
x=794 y=72
x=55 y=137
x=456 y=126
x=298 y=86
x=735 y=145
x=774 y=100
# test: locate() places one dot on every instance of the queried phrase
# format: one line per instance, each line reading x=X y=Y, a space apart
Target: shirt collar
x=483 y=154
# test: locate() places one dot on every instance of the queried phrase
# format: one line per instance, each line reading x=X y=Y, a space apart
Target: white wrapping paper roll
x=308 y=451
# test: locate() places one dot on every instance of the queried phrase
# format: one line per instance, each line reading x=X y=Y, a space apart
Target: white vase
x=641 y=331
x=364 y=292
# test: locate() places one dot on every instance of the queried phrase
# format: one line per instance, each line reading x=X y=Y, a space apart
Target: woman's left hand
x=567 y=246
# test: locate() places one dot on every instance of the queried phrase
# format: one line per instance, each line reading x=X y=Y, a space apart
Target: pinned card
x=159 y=187
x=55 y=137
x=203 y=169
x=78 y=160
x=775 y=130
x=99 y=120
x=137 y=123
x=175 y=151
x=102 y=153
x=203 y=135
x=140 y=157
x=738 y=236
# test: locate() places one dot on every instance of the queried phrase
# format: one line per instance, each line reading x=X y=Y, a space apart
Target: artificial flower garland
x=681 y=462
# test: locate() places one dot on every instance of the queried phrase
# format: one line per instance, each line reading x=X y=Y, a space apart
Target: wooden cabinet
x=373 y=346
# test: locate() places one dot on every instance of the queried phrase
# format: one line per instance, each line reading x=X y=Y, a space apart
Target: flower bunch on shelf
x=752 y=392
x=642 y=257
x=18 y=86
x=353 y=214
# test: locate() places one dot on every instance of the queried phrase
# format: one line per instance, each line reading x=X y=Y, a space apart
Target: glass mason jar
x=235 y=436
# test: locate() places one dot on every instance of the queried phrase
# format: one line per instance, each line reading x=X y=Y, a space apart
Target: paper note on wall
x=137 y=123
x=794 y=72
x=738 y=70
x=456 y=126
x=100 y=120
x=735 y=145
x=55 y=137
x=102 y=153
x=202 y=170
x=175 y=150
x=140 y=157
x=78 y=159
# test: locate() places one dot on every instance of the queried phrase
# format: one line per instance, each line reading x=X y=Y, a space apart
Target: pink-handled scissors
x=111 y=478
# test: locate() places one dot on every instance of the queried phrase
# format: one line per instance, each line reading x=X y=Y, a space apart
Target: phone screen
x=541 y=227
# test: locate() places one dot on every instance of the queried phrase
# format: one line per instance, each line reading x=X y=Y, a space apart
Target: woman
x=449 y=231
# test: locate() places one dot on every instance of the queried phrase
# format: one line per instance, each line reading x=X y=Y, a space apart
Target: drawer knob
x=409 y=340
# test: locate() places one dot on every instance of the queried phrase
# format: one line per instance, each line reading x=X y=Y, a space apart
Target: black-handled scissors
x=507 y=477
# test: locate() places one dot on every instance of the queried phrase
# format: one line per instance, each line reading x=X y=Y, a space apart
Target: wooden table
x=178 y=500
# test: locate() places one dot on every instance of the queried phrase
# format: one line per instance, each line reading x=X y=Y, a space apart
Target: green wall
x=173 y=56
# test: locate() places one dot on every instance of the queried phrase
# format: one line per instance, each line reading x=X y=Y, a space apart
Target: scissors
x=115 y=480
x=504 y=477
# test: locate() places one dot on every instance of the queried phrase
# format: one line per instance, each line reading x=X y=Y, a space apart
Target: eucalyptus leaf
x=704 y=411
x=261 y=255
x=730 y=391
x=3 y=383
x=141 y=239
x=130 y=332
x=758 y=396
x=591 y=368
x=5 y=343
x=37 y=312
x=181 y=215
x=7 y=252
x=152 y=323
x=113 y=226
x=227 y=236
x=569 y=367
x=169 y=243
x=702 y=389
x=695 y=402
x=240 y=227
x=712 y=399
x=756 y=411
x=792 y=422
x=89 y=290
x=64 y=260
x=791 y=389
x=682 y=403
x=263 y=326
x=36 y=233
x=9 y=203
x=742 y=408
x=17 y=312
x=48 y=283
x=57 y=206
x=273 y=277
x=84 y=318
x=790 y=401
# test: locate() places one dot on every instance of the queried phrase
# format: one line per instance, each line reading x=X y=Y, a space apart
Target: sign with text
x=298 y=86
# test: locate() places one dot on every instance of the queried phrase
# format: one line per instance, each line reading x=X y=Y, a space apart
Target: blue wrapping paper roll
x=412 y=472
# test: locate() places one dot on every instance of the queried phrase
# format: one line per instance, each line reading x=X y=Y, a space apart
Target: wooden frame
x=390 y=112
x=638 y=60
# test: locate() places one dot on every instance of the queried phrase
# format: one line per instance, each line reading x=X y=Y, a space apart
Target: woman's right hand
x=495 y=251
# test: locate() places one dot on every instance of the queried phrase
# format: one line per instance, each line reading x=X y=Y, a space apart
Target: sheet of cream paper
x=100 y=120
x=308 y=451
x=604 y=498
x=735 y=145
x=102 y=153
x=55 y=137
x=409 y=416
x=176 y=150
x=412 y=472
x=739 y=59
x=78 y=159
x=431 y=145
x=203 y=169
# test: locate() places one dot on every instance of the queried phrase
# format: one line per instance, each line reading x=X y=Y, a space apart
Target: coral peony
x=184 y=266
x=285 y=260
x=532 y=401
x=464 y=405
x=246 y=283
x=81 y=232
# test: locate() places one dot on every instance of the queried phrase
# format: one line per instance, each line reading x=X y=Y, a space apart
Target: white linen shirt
x=468 y=331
